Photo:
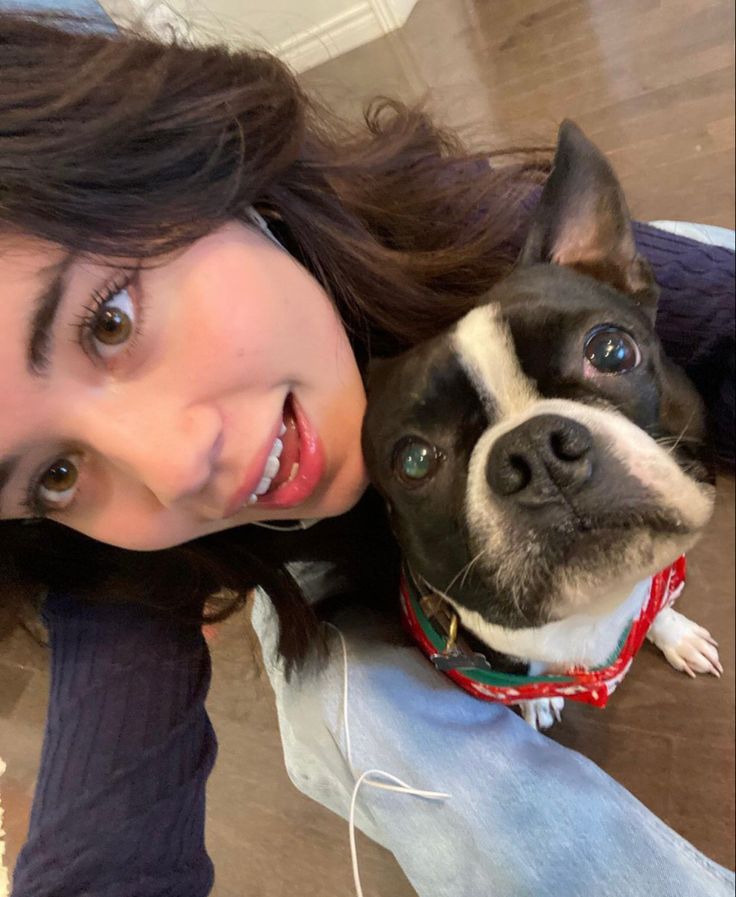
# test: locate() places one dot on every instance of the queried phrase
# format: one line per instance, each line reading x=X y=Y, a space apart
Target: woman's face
x=215 y=389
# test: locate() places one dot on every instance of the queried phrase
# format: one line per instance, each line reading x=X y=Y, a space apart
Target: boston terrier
x=543 y=467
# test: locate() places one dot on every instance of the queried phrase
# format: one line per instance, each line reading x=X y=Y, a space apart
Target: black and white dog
x=541 y=458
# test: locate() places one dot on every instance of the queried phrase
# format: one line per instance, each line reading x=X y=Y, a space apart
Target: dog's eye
x=611 y=350
x=415 y=460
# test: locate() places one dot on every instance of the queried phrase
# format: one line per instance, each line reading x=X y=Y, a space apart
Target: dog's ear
x=583 y=222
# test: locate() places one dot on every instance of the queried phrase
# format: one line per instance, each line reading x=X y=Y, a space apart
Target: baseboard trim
x=393 y=13
x=352 y=28
x=359 y=24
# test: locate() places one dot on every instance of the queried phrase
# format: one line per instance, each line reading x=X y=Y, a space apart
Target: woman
x=196 y=266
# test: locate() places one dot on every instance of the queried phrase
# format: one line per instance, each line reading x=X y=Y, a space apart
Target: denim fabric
x=78 y=7
x=526 y=817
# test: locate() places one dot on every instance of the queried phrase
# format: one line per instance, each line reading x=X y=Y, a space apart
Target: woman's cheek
x=135 y=532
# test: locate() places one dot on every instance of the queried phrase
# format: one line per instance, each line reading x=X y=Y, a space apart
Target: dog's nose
x=541 y=458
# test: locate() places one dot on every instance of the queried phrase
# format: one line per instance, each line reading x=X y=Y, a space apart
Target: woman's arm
x=119 y=803
x=695 y=319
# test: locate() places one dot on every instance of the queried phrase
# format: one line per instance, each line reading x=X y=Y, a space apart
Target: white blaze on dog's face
x=543 y=455
x=569 y=502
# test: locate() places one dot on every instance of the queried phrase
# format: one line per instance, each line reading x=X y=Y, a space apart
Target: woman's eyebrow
x=46 y=305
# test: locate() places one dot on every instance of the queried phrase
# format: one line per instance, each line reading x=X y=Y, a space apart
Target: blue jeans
x=526 y=817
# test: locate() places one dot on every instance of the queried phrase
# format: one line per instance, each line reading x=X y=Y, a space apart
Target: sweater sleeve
x=696 y=320
x=120 y=798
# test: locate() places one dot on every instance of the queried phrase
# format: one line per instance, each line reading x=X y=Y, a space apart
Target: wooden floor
x=652 y=82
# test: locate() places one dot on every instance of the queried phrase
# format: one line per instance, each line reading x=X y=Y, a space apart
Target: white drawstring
x=399 y=786
x=260 y=222
x=287 y=527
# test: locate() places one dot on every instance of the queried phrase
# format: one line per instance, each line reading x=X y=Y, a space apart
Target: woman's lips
x=289 y=459
x=301 y=465
x=299 y=483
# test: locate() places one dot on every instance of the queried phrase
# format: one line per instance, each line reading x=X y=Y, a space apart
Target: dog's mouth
x=545 y=573
x=604 y=546
x=657 y=521
x=587 y=542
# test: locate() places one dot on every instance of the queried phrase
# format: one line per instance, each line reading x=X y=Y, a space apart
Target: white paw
x=542 y=712
x=687 y=646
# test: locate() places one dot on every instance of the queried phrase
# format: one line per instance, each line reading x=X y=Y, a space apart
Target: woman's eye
x=415 y=461
x=56 y=488
x=110 y=326
x=611 y=350
x=113 y=324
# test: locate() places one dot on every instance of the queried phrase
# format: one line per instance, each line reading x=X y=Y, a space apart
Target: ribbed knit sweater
x=119 y=804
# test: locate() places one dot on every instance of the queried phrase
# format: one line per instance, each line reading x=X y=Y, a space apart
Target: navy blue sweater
x=119 y=805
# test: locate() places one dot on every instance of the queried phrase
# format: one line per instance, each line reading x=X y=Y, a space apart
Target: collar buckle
x=446 y=621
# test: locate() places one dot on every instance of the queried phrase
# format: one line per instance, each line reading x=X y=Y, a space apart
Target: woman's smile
x=293 y=469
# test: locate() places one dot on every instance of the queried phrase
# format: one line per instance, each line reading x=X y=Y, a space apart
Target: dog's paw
x=541 y=713
x=687 y=646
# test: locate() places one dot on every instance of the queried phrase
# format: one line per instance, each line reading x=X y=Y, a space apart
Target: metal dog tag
x=456 y=660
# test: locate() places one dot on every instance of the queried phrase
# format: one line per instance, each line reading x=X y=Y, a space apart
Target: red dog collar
x=594 y=686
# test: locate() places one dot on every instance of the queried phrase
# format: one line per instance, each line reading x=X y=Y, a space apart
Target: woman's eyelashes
x=111 y=324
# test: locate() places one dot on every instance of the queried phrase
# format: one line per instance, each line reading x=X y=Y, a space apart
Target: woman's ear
x=583 y=222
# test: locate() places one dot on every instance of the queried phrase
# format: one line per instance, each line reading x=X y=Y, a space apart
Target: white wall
x=304 y=32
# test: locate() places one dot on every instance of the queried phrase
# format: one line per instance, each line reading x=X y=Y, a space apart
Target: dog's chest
x=586 y=640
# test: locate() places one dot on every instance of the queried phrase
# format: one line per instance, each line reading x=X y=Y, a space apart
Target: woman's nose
x=171 y=453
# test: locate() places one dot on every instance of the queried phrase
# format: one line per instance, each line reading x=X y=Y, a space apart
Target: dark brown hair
x=119 y=144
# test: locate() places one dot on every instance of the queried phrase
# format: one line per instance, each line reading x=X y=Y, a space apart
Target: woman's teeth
x=272 y=468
